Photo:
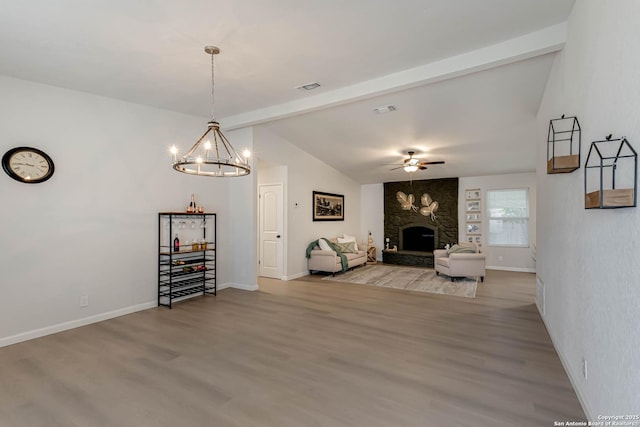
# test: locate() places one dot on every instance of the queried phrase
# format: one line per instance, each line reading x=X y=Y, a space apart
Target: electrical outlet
x=499 y=257
x=84 y=300
x=584 y=368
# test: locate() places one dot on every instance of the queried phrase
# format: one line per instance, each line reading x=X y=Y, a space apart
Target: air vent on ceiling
x=309 y=86
x=385 y=109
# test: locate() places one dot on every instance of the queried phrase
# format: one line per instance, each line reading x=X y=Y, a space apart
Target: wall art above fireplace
x=429 y=206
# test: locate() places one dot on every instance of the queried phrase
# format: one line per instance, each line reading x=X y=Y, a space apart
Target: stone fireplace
x=416 y=235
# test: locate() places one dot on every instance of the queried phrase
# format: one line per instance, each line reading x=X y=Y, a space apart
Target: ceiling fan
x=412 y=164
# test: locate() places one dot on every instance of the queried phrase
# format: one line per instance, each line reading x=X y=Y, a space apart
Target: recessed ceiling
x=152 y=53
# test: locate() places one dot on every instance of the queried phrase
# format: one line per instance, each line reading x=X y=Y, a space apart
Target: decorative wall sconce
x=563 y=145
x=611 y=175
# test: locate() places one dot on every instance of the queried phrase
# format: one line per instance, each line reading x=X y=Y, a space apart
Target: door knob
x=278 y=236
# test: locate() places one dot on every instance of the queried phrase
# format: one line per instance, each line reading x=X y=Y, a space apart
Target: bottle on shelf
x=192 y=205
x=176 y=244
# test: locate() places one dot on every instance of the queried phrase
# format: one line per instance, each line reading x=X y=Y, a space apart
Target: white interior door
x=271 y=233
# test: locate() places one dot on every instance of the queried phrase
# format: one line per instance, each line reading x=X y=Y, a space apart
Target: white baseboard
x=48 y=330
x=241 y=286
x=518 y=269
x=583 y=402
x=296 y=276
x=37 y=333
x=292 y=277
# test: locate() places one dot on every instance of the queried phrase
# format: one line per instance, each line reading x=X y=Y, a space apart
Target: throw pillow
x=457 y=249
x=346 y=238
x=347 y=248
x=324 y=245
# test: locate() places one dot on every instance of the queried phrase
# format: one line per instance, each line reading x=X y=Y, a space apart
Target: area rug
x=408 y=278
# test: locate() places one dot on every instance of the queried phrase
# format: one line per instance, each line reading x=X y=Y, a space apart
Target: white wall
x=92 y=228
x=243 y=222
x=501 y=258
x=305 y=174
x=588 y=259
x=372 y=212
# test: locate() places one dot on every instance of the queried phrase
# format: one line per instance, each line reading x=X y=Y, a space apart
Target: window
x=508 y=216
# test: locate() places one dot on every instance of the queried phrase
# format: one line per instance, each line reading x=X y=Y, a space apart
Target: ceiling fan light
x=410 y=168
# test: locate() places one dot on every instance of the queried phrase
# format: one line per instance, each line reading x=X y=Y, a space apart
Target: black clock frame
x=7 y=167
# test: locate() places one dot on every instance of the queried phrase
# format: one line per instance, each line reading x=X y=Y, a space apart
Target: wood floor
x=300 y=353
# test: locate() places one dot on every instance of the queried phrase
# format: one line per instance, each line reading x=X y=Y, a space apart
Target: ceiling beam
x=547 y=40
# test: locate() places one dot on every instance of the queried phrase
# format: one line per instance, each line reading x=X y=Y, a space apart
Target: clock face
x=28 y=165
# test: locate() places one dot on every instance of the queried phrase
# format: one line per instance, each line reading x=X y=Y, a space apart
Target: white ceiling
x=466 y=75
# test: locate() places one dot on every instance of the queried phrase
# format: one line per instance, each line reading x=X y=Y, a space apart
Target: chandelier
x=212 y=154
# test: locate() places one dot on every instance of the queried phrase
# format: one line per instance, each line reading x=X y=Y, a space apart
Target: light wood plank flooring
x=300 y=353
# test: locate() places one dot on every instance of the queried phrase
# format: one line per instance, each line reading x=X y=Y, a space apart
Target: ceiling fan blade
x=422 y=167
x=399 y=167
x=440 y=162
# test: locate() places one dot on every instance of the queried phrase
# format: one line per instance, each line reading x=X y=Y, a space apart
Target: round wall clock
x=28 y=165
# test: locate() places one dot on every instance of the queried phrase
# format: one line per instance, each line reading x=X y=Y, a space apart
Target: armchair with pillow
x=335 y=255
x=461 y=260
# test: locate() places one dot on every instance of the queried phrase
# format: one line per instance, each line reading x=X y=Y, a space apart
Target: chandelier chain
x=213 y=115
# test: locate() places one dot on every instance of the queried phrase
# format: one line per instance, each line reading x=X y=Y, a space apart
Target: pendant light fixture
x=212 y=154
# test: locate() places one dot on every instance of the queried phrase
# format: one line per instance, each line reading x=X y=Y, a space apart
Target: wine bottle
x=193 y=203
x=176 y=244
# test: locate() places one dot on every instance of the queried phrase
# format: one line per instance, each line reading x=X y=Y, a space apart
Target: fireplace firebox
x=418 y=237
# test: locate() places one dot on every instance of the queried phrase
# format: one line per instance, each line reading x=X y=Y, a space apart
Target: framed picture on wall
x=473 y=217
x=474 y=228
x=328 y=206
x=473 y=194
x=473 y=206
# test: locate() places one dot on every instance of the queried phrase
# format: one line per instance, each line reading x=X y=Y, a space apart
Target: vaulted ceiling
x=466 y=76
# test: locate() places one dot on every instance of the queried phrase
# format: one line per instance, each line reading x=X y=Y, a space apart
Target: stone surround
x=445 y=192
x=421 y=259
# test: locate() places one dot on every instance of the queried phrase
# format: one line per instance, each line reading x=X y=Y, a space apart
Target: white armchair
x=468 y=262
